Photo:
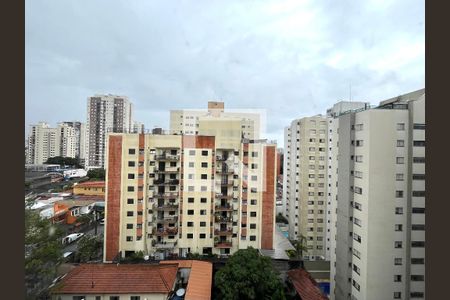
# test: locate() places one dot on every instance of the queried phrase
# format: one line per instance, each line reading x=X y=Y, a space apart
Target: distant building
x=105 y=114
x=90 y=188
x=138 y=127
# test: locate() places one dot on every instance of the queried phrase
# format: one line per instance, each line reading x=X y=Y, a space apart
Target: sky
x=291 y=58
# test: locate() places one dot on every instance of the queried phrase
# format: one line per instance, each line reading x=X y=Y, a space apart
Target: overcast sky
x=292 y=58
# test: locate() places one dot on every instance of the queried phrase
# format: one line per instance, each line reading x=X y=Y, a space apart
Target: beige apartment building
x=186 y=121
x=378 y=201
x=305 y=183
x=169 y=195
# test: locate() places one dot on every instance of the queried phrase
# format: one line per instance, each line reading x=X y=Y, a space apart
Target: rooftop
x=306 y=287
x=91 y=184
x=118 y=279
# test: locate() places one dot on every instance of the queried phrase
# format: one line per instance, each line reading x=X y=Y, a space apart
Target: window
x=397 y=295
x=130 y=189
x=254 y=166
x=254 y=154
x=418 y=176
x=400 y=160
x=131 y=151
x=419 y=126
x=400 y=126
x=419 y=143
x=356 y=285
x=202 y=224
x=203 y=212
x=418 y=210
x=359 y=143
x=190 y=224
x=356 y=269
x=191 y=165
x=398 y=194
x=356 y=253
x=253 y=238
x=419 y=160
x=359 y=127
x=129 y=226
x=130 y=201
x=357 y=221
x=416 y=295
x=398 y=261
x=417 y=278
x=398 y=244
x=79 y=298
x=135 y=298
x=417 y=261
x=253 y=214
x=191 y=152
x=358 y=206
x=190 y=176
x=202 y=235
x=204 y=164
x=190 y=188
x=252 y=226
x=358 y=190
x=357 y=237
x=418 y=193
x=129 y=213
x=418 y=227
x=190 y=235
x=204 y=176
x=399 y=210
x=253 y=202
x=190 y=212
x=398 y=227
x=131 y=163
x=358 y=158
x=397 y=278
x=203 y=200
x=129 y=238
x=203 y=188
x=130 y=175
x=358 y=174
x=190 y=200
x=399 y=177
x=400 y=143
x=204 y=152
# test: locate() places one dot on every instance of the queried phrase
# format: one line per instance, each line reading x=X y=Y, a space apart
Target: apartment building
x=169 y=195
x=45 y=142
x=378 y=201
x=78 y=131
x=105 y=113
x=186 y=121
x=306 y=183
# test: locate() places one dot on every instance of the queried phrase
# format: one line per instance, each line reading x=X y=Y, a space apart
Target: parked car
x=71 y=238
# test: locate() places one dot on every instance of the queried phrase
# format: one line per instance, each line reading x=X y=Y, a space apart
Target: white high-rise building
x=378 y=201
x=105 y=113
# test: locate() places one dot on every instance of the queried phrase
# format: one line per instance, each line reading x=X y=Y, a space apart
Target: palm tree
x=300 y=247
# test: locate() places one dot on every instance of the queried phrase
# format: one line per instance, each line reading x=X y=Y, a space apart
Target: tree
x=64 y=161
x=281 y=219
x=248 y=275
x=88 y=248
x=98 y=174
x=300 y=247
x=43 y=252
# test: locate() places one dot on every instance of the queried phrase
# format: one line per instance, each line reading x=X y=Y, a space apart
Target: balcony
x=165 y=245
x=225 y=171
x=167 y=195
x=224 y=183
x=166 y=182
x=222 y=231
x=226 y=207
x=167 y=170
x=222 y=219
x=166 y=156
x=168 y=219
x=165 y=231
x=221 y=196
x=166 y=206
x=223 y=244
x=221 y=158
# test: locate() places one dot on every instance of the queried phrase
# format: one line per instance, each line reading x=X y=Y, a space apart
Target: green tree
x=248 y=275
x=88 y=248
x=281 y=219
x=64 y=161
x=97 y=174
x=300 y=247
x=43 y=252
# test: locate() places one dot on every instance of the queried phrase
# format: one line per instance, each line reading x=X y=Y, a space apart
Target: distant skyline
x=292 y=58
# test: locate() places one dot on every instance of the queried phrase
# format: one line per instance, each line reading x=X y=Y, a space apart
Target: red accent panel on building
x=113 y=198
x=197 y=141
x=268 y=198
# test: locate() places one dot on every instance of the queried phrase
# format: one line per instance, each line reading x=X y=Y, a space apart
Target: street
x=90 y=232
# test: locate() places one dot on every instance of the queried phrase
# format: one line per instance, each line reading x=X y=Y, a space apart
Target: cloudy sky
x=291 y=58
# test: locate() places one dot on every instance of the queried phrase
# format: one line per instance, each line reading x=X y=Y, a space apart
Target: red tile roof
x=118 y=279
x=306 y=287
x=200 y=281
x=91 y=184
x=181 y=263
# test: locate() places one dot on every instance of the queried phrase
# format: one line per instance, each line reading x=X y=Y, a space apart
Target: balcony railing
x=165 y=245
x=225 y=171
x=165 y=156
x=167 y=195
x=227 y=231
x=223 y=244
x=222 y=219
x=226 y=207
x=165 y=231
x=165 y=206
x=166 y=182
x=221 y=157
x=225 y=183
x=168 y=219
x=222 y=196
x=167 y=170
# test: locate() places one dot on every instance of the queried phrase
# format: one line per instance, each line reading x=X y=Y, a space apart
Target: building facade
x=306 y=183
x=170 y=195
x=378 y=201
x=45 y=142
x=105 y=114
x=187 y=121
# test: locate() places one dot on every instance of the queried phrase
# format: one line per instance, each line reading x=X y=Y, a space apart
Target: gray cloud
x=293 y=58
